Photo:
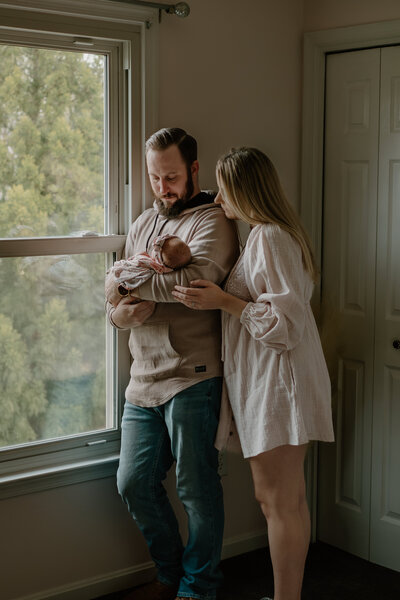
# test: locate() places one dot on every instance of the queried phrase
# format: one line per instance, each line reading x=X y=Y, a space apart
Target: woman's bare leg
x=278 y=477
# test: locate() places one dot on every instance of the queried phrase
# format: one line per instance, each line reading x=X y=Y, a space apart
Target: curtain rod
x=181 y=9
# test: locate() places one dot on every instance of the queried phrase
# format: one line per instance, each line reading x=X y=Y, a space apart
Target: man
x=173 y=397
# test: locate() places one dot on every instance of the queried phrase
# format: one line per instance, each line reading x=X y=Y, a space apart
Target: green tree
x=51 y=184
x=16 y=385
x=51 y=141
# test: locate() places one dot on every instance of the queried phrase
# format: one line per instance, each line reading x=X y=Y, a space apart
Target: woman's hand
x=203 y=295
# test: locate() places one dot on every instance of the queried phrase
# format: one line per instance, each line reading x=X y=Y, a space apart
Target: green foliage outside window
x=52 y=326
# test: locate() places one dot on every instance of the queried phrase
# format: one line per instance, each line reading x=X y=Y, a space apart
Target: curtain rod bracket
x=181 y=9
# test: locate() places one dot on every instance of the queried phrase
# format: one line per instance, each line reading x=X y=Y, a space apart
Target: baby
x=168 y=253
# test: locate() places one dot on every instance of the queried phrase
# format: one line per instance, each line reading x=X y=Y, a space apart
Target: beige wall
x=231 y=74
x=63 y=537
x=325 y=14
x=54 y=543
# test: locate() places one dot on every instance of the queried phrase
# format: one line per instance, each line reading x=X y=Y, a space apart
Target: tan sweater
x=177 y=346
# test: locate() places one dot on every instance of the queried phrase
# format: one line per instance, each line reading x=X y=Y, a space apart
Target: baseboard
x=240 y=544
x=94 y=587
x=125 y=578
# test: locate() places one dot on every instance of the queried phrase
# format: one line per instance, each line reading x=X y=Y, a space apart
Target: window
x=68 y=131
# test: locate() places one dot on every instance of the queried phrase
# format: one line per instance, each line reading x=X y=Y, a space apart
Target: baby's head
x=172 y=251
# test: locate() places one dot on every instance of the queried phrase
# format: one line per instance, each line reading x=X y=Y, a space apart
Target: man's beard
x=180 y=203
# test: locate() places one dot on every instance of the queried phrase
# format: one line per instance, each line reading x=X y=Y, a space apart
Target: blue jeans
x=183 y=430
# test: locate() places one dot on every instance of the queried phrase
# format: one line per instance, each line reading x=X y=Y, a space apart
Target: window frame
x=127 y=36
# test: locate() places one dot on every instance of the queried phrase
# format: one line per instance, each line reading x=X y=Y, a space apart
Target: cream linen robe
x=275 y=372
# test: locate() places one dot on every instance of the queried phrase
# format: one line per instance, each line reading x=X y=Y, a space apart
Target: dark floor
x=330 y=574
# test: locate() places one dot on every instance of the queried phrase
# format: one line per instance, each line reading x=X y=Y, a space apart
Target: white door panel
x=348 y=287
x=359 y=476
x=385 y=495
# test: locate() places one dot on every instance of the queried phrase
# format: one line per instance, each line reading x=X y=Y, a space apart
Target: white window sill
x=38 y=480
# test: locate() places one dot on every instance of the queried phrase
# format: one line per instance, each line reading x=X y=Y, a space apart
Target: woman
x=274 y=368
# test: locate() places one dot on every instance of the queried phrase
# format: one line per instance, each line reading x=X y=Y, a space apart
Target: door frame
x=317 y=45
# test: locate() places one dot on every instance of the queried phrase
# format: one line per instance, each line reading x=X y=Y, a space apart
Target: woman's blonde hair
x=252 y=187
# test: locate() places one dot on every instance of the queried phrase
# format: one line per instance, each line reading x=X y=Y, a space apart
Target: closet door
x=385 y=490
x=348 y=294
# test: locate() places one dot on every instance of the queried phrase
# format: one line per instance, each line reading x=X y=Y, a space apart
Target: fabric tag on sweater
x=200 y=369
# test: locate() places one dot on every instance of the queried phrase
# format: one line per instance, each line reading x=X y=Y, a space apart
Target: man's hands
x=131 y=313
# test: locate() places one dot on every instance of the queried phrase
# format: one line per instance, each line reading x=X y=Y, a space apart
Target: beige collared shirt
x=274 y=368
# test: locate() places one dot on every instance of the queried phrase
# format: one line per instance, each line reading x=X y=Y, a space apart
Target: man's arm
x=214 y=247
x=130 y=313
x=111 y=289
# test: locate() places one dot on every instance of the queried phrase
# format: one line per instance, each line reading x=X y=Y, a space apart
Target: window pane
x=51 y=142
x=52 y=348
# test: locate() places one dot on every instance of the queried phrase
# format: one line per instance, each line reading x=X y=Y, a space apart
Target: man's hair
x=166 y=137
x=175 y=253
